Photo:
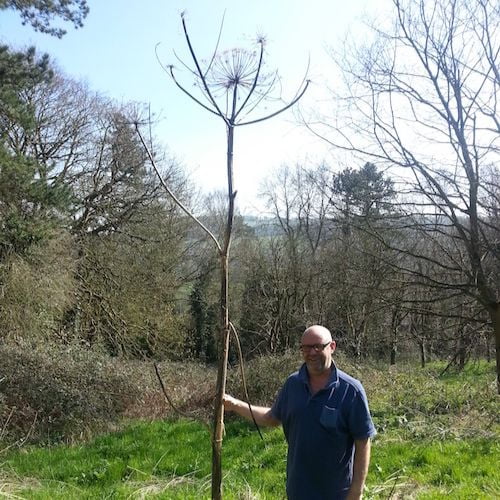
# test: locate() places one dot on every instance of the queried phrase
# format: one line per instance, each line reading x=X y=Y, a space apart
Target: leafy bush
x=36 y=289
x=190 y=386
x=264 y=376
x=62 y=392
x=50 y=392
x=411 y=402
x=59 y=392
x=417 y=403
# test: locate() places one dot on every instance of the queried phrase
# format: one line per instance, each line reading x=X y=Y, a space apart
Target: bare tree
x=424 y=98
x=231 y=85
x=292 y=281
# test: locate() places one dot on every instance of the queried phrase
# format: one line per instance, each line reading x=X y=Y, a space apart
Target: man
x=327 y=424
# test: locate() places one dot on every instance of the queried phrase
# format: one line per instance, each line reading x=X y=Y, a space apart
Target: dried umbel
x=233 y=68
x=233 y=83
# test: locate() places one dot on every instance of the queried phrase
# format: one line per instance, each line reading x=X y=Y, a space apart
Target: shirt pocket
x=329 y=418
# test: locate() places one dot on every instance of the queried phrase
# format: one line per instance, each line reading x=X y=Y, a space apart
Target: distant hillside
x=261 y=226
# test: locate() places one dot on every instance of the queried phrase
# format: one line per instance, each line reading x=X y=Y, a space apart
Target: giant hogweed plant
x=231 y=85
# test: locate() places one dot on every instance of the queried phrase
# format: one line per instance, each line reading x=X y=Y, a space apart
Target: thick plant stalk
x=218 y=430
x=225 y=325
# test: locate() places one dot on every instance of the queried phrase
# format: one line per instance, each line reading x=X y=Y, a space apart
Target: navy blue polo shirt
x=320 y=430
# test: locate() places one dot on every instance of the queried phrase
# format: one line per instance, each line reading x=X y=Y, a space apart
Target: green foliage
x=364 y=192
x=28 y=205
x=40 y=14
x=56 y=392
x=51 y=392
x=19 y=71
x=435 y=470
x=147 y=459
x=71 y=163
x=204 y=318
x=418 y=404
x=36 y=289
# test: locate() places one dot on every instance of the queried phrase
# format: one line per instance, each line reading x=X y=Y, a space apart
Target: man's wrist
x=357 y=487
x=355 y=491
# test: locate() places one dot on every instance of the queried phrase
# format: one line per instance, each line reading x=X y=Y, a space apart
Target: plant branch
x=243 y=378
x=288 y=106
x=168 y=190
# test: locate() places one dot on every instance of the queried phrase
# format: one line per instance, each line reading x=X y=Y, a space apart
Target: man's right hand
x=261 y=414
x=230 y=403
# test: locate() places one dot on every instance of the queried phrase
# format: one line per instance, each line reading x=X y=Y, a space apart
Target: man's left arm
x=360 y=468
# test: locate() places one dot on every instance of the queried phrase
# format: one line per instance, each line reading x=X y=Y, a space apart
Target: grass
x=465 y=469
x=162 y=459
x=438 y=438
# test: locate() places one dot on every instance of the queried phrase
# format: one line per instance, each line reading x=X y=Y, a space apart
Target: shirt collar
x=332 y=381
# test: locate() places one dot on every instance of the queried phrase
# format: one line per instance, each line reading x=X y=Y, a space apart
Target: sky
x=115 y=53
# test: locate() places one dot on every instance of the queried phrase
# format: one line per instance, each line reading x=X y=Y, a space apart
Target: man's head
x=317 y=348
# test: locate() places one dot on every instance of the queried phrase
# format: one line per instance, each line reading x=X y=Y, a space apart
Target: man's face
x=317 y=355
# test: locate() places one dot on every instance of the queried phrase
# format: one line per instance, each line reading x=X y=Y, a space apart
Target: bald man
x=327 y=424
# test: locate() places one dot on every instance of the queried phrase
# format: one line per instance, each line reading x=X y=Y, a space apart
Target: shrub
x=56 y=392
x=53 y=392
x=420 y=404
x=190 y=386
x=36 y=289
x=264 y=376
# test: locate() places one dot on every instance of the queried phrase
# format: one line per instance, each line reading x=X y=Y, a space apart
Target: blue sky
x=115 y=53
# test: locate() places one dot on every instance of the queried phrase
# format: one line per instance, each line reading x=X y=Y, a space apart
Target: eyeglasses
x=314 y=347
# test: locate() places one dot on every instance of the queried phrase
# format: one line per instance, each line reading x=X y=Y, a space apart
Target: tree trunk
x=488 y=348
x=357 y=345
x=421 y=344
x=394 y=344
x=495 y=321
x=394 y=351
x=462 y=349
x=221 y=384
x=234 y=104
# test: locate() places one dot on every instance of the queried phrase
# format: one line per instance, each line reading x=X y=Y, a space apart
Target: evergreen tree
x=40 y=14
x=28 y=204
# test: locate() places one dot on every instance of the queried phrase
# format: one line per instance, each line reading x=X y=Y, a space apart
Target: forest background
x=397 y=253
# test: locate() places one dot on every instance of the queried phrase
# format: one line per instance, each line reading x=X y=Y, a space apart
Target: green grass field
x=438 y=438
